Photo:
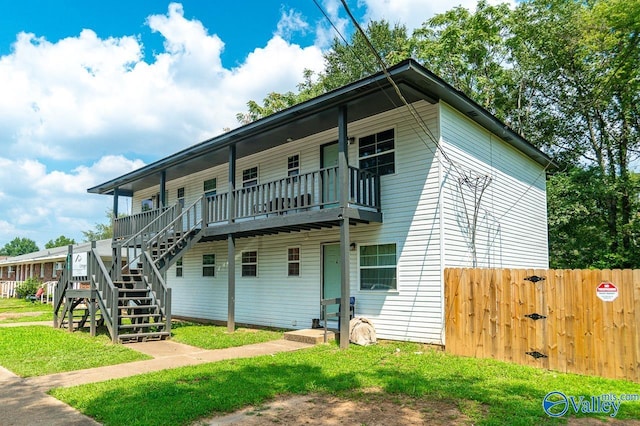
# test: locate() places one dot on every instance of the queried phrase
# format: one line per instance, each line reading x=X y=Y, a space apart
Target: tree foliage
x=565 y=74
x=101 y=231
x=19 y=246
x=61 y=241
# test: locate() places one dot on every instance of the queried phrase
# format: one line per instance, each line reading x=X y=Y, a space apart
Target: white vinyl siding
x=420 y=204
x=411 y=219
x=512 y=227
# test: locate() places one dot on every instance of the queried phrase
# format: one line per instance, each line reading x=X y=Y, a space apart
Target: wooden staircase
x=141 y=317
x=131 y=298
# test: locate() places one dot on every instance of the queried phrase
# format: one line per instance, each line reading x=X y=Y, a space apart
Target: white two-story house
x=357 y=193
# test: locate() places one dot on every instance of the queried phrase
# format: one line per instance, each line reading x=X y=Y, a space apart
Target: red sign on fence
x=607 y=292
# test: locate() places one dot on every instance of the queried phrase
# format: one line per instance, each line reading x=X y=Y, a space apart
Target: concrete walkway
x=25 y=402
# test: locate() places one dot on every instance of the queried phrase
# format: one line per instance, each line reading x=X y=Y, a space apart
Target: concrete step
x=312 y=336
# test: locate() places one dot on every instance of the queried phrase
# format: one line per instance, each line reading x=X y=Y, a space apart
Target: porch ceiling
x=364 y=98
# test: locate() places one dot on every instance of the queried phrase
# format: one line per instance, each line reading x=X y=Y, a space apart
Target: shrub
x=28 y=287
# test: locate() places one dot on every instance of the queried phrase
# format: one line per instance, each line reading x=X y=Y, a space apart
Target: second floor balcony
x=305 y=201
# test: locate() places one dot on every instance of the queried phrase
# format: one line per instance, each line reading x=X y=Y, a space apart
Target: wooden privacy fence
x=555 y=319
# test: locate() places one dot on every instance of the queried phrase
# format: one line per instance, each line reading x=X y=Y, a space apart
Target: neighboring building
x=44 y=265
x=350 y=193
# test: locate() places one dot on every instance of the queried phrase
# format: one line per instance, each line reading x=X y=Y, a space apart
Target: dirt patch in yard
x=13 y=315
x=370 y=408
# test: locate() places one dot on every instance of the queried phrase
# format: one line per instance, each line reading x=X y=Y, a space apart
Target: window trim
x=243 y=264
x=210 y=192
x=179 y=268
x=290 y=262
x=376 y=170
x=179 y=199
x=245 y=182
x=360 y=268
x=209 y=265
x=296 y=168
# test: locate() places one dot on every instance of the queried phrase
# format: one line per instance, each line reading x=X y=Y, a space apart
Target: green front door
x=331 y=274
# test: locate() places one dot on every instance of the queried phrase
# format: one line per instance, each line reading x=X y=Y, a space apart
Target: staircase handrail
x=59 y=295
x=191 y=211
x=107 y=292
x=132 y=241
x=166 y=212
x=160 y=293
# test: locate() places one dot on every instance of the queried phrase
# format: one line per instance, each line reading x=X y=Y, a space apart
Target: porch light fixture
x=352 y=246
x=351 y=140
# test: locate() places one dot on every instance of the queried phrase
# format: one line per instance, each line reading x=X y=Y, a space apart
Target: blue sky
x=92 y=90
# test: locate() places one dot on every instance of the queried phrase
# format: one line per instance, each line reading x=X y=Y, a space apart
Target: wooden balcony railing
x=294 y=194
x=129 y=225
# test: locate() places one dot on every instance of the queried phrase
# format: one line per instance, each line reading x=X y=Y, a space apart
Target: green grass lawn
x=40 y=350
x=217 y=337
x=489 y=392
x=21 y=310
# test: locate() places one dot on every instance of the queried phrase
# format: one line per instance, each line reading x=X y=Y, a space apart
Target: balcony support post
x=231 y=245
x=343 y=188
x=163 y=189
x=115 y=203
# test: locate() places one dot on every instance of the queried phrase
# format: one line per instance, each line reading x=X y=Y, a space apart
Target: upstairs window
x=377 y=153
x=147 y=205
x=250 y=264
x=293 y=165
x=209 y=187
x=208 y=265
x=378 y=265
x=250 y=177
x=180 y=196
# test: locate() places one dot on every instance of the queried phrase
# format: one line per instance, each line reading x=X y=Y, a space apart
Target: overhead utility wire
x=417 y=118
x=411 y=109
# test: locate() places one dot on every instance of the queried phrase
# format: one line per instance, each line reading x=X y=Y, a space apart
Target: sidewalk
x=25 y=402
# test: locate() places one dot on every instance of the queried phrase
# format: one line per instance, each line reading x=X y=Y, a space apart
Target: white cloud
x=413 y=13
x=60 y=98
x=291 y=22
x=41 y=205
x=82 y=99
x=325 y=31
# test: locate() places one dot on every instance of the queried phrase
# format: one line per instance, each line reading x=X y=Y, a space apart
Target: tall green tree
x=470 y=51
x=61 y=241
x=101 y=231
x=565 y=74
x=586 y=59
x=19 y=246
x=348 y=62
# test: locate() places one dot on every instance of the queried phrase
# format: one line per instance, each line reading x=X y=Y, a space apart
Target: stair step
x=135 y=298
x=140 y=316
x=139 y=307
x=141 y=325
x=133 y=291
x=135 y=278
x=158 y=335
